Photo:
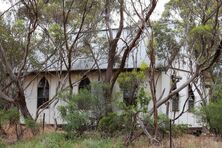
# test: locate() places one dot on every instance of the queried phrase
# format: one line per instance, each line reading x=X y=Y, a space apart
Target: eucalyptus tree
x=15 y=50
x=138 y=24
x=40 y=34
x=69 y=25
x=188 y=33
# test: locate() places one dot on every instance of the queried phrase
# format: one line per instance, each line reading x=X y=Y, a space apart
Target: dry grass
x=11 y=137
x=186 y=141
x=94 y=140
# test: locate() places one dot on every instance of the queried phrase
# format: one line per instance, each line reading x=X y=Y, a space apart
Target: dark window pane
x=175 y=98
x=84 y=83
x=43 y=93
x=175 y=103
x=191 y=98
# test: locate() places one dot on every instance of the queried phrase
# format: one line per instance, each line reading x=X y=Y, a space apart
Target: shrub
x=77 y=120
x=211 y=113
x=164 y=126
x=163 y=123
x=9 y=116
x=83 y=110
x=31 y=124
x=52 y=140
x=2 y=144
x=111 y=124
x=179 y=129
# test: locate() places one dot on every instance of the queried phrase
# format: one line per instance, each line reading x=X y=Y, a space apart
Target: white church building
x=41 y=86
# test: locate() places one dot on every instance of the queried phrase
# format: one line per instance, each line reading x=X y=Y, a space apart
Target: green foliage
x=163 y=123
x=210 y=113
x=101 y=143
x=31 y=124
x=82 y=110
x=125 y=120
x=19 y=26
x=58 y=140
x=98 y=100
x=132 y=82
x=194 y=23
x=143 y=66
x=201 y=30
x=53 y=140
x=55 y=31
x=127 y=80
x=10 y=39
x=216 y=91
x=111 y=124
x=179 y=129
x=164 y=126
x=77 y=119
x=9 y=116
x=143 y=100
x=2 y=144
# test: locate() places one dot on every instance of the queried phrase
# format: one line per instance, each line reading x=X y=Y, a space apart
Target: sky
x=159 y=9
x=155 y=16
x=3 y=6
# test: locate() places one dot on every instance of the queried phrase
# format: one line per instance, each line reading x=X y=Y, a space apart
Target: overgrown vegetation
x=10 y=116
x=83 y=110
x=42 y=36
x=58 y=140
x=210 y=113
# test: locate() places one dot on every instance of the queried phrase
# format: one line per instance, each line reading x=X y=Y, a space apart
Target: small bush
x=52 y=140
x=77 y=121
x=179 y=129
x=164 y=126
x=31 y=124
x=9 y=116
x=83 y=110
x=2 y=144
x=111 y=124
x=163 y=123
x=211 y=113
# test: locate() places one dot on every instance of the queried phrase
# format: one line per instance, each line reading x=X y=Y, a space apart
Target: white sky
x=159 y=9
x=155 y=16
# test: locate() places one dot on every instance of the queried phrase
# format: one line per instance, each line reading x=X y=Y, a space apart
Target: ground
x=52 y=139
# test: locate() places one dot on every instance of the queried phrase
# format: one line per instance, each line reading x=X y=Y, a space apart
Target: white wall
x=52 y=112
x=188 y=117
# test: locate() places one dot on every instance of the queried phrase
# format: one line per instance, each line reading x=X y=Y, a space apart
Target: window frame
x=43 y=98
x=191 y=98
x=84 y=83
x=175 y=102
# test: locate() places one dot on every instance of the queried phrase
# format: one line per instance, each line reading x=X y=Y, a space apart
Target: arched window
x=43 y=92
x=175 y=98
x=191 y=98
x=84 y=88
x=84 y=83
